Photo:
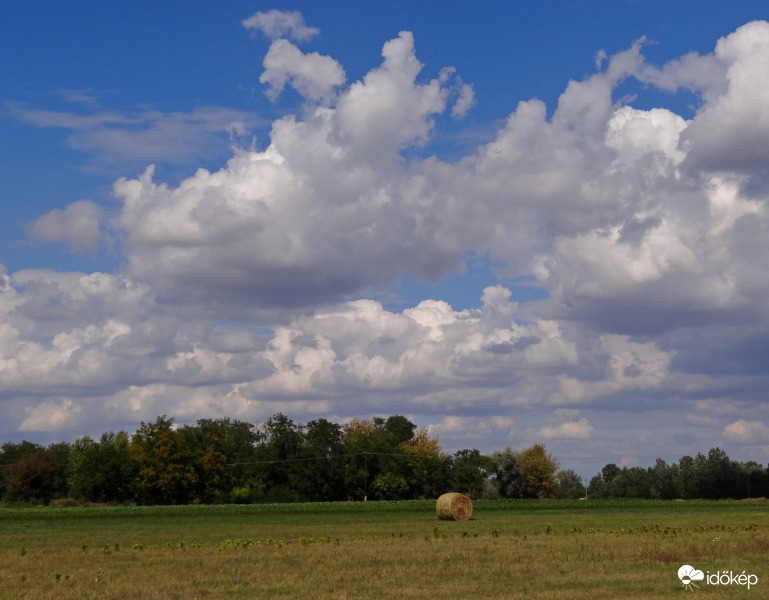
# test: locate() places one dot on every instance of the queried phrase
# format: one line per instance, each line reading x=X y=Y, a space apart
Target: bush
x=65 y=503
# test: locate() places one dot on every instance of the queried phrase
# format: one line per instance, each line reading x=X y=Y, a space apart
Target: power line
x=285 y=460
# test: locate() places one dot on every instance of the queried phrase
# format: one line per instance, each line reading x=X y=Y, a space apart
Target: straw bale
x=454 y=507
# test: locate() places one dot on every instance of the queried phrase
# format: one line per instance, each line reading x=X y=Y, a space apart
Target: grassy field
x=509 y=549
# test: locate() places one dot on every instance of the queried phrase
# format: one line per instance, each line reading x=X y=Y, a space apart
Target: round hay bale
x=454 y=507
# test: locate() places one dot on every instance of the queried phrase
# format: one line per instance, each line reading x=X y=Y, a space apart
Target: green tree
x=597 y=487
x=665 y=481
x=569 y=485
x=280 y=459
x=324 y=465
x=469 y=471
x=102 y=471
x=390 y=486
x=507 y=473
x=225 y=450
x=368 y=448
x=633 y=482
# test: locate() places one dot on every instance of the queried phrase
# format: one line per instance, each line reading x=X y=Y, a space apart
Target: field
x=509 y=549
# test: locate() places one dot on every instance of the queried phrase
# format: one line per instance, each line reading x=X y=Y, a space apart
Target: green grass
x=510 y=549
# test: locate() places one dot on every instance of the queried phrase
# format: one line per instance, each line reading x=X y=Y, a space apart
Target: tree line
x=231 y=461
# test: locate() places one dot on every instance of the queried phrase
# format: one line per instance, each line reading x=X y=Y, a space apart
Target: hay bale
x=454 y=507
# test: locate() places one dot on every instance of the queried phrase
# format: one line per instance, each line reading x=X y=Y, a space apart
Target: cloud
x=143 y=135
x=278 y=24
x=473 y=430
x=746 y=432
x=570 y=430
x=249 y=289
x=78 y=226
x=728 y=131
x=312 y=75
x=464 y=102
x=51 y=416
x=327 y=210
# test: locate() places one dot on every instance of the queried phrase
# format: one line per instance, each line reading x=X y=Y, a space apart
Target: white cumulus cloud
x=747 y=432
x=277 y=24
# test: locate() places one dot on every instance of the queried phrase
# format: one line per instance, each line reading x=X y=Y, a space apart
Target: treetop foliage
x=231 y=461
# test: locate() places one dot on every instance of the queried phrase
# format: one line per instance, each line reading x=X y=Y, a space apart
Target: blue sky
x=575 y=192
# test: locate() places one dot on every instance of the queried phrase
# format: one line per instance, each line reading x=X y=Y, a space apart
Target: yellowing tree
x=539 y=469
x=422 y=444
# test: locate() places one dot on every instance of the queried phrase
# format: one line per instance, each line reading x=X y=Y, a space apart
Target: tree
x=102 y=471
x=569 y=485
x=279 y=455
x=719 y=476
x=597 y=487
x=507 y=473
x=324 y=468
x=665 y=481
x=399 y=429
x=539 y=469
x=633 y=482
x=367 y=445
x=423 y=466
x=689 y=481
x=167 y=466
x=469 y=471
x=227 y=452
x=38 y=474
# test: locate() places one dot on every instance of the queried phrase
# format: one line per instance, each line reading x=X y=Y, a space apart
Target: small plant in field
x=24 y=551
x=495 y=533
x=138 y=546
x=83 y=548
x=549 y=529
x=237 y=543
x=106 y=549
x=465 y=534
x=58 y=577
x=99 y=575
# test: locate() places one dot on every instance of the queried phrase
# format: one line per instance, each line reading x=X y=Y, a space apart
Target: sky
x=512 y=222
